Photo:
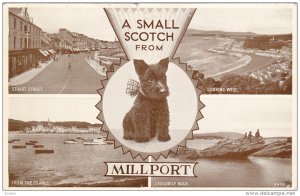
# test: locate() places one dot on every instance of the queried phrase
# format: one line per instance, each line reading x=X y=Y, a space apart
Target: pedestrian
x=69 y=67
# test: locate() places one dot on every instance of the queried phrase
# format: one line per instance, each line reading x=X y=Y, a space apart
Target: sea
x=75 y=164
x=79 y=164
x=221 y=173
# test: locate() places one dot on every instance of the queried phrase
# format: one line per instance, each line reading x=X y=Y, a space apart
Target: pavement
x=26 y=76
x=58 y=79
x=100 y=69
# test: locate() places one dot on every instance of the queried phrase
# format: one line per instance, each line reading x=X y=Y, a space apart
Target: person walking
x=69 y=66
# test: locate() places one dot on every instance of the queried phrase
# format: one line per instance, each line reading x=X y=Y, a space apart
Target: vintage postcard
x=151 y=96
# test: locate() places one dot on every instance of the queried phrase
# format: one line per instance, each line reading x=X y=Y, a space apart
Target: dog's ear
x=164 y=63
x=140 y=66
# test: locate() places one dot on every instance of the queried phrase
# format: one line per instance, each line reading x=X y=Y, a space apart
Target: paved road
x=57 y=79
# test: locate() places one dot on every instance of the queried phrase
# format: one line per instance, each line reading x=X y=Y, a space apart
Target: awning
x=42 y=52
x=46 y=52
x=51 y=51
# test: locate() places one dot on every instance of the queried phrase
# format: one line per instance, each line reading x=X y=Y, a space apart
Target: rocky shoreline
x=240 y=148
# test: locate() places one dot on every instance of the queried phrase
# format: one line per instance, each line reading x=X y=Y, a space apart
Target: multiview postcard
x=150 y=96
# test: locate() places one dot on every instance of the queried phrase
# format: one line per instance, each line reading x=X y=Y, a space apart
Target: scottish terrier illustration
x=149 y=116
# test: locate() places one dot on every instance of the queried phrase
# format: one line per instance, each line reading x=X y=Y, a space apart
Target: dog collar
x=141 y=91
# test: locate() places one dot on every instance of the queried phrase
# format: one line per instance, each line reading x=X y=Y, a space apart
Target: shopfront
x=22 y=60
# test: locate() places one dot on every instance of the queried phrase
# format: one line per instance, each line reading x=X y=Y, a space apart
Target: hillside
x=218 y=135
x=196 y=32
x=18 y=125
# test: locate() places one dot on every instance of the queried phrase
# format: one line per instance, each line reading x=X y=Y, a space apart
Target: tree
x=197 y=75
x=243 y=83
x=207 y=83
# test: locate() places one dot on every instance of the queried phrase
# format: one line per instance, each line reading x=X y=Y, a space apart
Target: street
x=58 y=79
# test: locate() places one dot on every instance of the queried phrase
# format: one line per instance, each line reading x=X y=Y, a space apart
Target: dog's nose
x=161 y=87
x=162 y=90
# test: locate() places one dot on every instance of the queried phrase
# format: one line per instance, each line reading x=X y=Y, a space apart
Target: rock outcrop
x=239 y=148
x=282 y=149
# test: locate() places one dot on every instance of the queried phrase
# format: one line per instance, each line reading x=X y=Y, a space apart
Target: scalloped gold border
x=125 y=149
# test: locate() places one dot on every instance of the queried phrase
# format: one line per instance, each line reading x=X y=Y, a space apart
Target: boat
x=70 y=141
x=47 y=151
x=18 y=146
x=15 y=140
x=10 y=141
x=109 y=142
x=94 y=142
x=38 y=146
x=29 y=143
x=33 y=141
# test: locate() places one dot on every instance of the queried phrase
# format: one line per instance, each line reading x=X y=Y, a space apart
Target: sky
x=272 y=115
x=93 y=22
x=258 y=20
x=89 y=21
x=75 y=108
x=233 y=113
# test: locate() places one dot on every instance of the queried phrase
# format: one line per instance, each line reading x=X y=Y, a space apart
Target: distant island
x=218 y=135
x=52 y=127
x=197 y=32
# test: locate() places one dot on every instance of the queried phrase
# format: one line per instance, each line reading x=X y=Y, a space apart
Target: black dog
x=149 y=115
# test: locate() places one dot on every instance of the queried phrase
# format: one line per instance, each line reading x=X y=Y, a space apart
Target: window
x=25 y=28
x=15 y=23
x=15 y=39
x=21 y=43
x=25 y=43
x=21 y=26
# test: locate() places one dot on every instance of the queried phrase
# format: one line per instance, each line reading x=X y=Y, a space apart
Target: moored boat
x=47 y=151
x=70 y=141
x=29 y=143
x=94 y=142
x=38 y=146
x=109 y=142
x=19 y=146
